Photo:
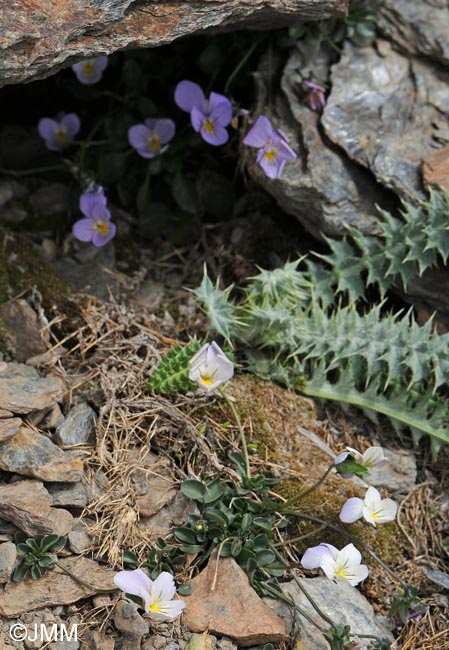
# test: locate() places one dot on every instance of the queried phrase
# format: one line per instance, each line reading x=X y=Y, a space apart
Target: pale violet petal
x=313 y=556
x=328 y=565
x=163 y=588
x=136 y=583
x=352 y=510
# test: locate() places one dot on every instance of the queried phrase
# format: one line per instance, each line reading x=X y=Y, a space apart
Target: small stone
x=32 y=454
x=9 y=427
x=173 y=514
x=8 y=556
x=100 y=641
x=53 y=418
x=128 y=620
x=27 y=338
x=26 y=504
x=78 y=428
x=3 y=412
x=79 y=541
x=223 y=602
x=102 y=600
x=77 y=495
x=23 y=390
x=55 y=587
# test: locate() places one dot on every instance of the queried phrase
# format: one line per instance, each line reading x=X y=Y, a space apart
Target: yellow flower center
x=207 y=381
x=374 y=515
x=154 y=143
x=102 y=227
x=61 y=135
x=155 y=608
x=88 y=68
x=341 y=573
x=208 y=126
x=270 y=155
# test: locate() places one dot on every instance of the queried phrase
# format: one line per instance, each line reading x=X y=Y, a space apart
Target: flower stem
x=311 y=489
x=320 y=612
x=29 y=172
x=241 y=431
x=240 y=64
x=83 y=583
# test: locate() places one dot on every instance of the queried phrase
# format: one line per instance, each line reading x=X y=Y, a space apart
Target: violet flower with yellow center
x=152 y=138
x=60 y=132
x=210 y=367
x=209 y=117
x=157 y=595
x=90 y=71
x=274 y=150
x=97 y=226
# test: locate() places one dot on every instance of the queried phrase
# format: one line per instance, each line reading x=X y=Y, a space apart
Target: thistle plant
x=172 y=374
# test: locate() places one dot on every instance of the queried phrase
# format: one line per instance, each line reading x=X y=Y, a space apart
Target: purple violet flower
x=274 y=150
x=59 y=133
x=152 y=138
x=97 y=226
x=315 y=98
x=209 y=117
x=90 y=71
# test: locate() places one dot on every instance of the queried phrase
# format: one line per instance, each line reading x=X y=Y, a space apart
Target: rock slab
x=224 y=603
x=41 y=37
x=23 y=390
x=55 y=587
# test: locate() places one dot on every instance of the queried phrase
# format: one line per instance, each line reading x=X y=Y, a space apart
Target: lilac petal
x=163 y=588
x=89 y=200
x=165 y=129
x=271 y=168
x=71 y=123
x=221 y=114
x=260 y=133
x=352 y=510
x=217 y=138
x=313 y=557
x=132 y=582
x=100 y=213
x=101 y=62
x=138 y=136
x=341 y=457
x=46 y=128
x=188 y=94
x=197 y=118
x=101 y=240
x=216 y=100
x=285 y=150
x=83 y=230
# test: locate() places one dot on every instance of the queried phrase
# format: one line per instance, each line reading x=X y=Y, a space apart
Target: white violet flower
x=337 y=565
x=371 y=457
x=372 y=508
x=157 y=595
x=210 y=367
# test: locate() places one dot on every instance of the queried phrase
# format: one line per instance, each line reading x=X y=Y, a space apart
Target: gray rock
x=436 y=576
x=108 y=25
x=398 y=474
x=173 y=514
x=27 y=336
x=78 y=427
x=321 y=188
x=382 y=110
x=8 y=556
x=417 y=26
x=50 y=199
x=341 y=602
x=23 y=390
x=131 y=624
x=79 y=494
x=78 y=538
x=100 y=641
x=85 y=270
x=26 y=504
x=9 y=427
x=32 y=454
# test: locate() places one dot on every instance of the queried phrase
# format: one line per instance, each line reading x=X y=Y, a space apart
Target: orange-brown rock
x=435 y=169
x=40 y=37
x=224 y=603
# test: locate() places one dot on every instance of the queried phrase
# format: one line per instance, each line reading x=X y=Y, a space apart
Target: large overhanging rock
x=39 y=37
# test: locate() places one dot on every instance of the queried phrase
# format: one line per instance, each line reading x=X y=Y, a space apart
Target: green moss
x=22 y=268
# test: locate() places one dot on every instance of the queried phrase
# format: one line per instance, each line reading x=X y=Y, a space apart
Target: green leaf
x=19 y=572
x=52 y=542
x=186 y=535
x=185 y=589
x=236 y=547
x=130 y=558
x=265 y=557
x=214 y=491
x=185 y=194
x=193 y=489
x=36 y=573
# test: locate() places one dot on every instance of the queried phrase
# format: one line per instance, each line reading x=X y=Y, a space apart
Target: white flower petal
x=163 y=588
x=352 y=510
x=373 y=456
x=369 y=516
x=349 y=555
x=328 y=566
x=387 y=511
x=168 y=610
x=357 y=573
x=372 y=499
x=356 y=454
x=136 y=583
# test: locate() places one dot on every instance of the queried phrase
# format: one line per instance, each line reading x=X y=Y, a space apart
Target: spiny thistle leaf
x=172 y=374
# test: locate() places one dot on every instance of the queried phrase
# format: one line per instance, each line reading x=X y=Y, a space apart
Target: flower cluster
x=346 y=564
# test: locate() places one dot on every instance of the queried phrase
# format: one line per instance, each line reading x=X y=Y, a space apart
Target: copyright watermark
x=43 y=632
